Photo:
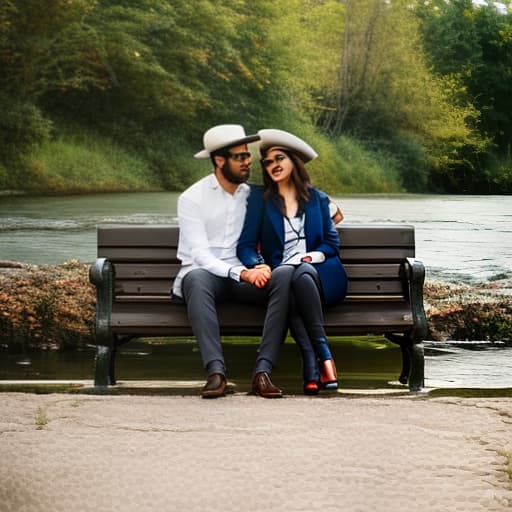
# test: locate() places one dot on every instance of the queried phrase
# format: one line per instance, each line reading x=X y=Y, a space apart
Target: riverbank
x=53 y=307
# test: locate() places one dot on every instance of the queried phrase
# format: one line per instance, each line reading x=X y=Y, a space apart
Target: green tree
x=385 y=94
x=48 y=47
x=473 y=45
x=45 y=48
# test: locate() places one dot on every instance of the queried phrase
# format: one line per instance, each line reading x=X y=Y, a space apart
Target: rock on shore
x=46 y=306
x=53 y=307
x=462 y=312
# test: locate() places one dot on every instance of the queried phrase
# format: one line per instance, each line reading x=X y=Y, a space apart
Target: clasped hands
x=258 y=276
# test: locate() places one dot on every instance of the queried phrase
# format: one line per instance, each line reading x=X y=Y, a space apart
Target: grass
x=87 y=163
x=40 y=389
x=361 y=170
x=41 y=419
x=509 y=465
x=78 y=161
x=471 y=393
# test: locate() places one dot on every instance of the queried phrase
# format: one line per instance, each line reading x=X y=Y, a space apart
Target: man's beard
x=232 y=177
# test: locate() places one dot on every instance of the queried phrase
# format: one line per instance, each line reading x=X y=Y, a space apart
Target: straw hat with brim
x=279 y=139
x=224 y=136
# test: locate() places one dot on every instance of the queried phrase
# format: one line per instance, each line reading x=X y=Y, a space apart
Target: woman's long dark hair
x=300 y=178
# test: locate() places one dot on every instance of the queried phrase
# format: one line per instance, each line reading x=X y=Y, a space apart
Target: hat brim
x=205 y=153
x=270 y=138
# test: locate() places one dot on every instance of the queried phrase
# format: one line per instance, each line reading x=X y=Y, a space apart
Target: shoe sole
x=267 y=395
x=214 y=393
x=209 y=396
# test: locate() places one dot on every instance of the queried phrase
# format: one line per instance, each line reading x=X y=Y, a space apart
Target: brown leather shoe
x=215 y=386
x=262 y=386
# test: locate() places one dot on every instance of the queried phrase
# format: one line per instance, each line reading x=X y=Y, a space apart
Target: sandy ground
x=63 y=452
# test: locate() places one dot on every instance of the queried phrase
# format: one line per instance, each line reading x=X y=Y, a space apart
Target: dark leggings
x=307 y=319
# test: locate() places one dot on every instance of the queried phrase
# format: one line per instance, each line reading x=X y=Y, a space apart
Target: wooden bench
x=136 y=266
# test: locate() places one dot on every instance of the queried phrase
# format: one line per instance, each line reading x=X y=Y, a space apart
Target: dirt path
x=243 y=453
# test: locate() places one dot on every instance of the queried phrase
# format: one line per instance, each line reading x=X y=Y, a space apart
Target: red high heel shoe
x=328 y=375
x=311 y=387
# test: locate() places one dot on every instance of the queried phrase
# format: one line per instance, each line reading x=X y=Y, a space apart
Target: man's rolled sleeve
x=235 y=272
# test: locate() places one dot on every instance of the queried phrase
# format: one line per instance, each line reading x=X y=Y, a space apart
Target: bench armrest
x=415 y=271
x=102 y=276
x=99 y=271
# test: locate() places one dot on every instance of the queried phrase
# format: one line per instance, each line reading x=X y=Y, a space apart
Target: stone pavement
x=65 y=452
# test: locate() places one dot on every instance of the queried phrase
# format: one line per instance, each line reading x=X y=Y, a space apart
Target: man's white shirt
x=211 y=222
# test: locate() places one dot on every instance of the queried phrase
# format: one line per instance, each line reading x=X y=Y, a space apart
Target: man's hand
x=258 y=276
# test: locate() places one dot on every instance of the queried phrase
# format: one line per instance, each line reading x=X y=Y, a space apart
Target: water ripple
x=10 y=224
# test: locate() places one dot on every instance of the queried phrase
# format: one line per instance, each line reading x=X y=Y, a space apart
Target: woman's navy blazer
x=262 y=239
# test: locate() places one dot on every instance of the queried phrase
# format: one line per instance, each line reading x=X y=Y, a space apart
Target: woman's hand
x=258 y=276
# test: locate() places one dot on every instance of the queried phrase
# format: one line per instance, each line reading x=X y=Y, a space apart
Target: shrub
x=78 y=163
x=22 y=126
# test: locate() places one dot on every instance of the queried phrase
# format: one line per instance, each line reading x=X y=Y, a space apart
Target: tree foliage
x=473 y=46
x=424 y=86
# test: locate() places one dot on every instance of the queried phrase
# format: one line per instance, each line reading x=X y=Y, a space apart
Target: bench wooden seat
x=137 y=264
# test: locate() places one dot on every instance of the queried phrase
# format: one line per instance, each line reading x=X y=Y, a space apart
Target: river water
x=461 y=239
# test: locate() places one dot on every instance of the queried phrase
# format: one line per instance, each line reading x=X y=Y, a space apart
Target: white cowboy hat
x=224 y=136
x=271 y=138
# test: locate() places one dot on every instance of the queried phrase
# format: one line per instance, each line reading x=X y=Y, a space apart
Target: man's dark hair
x=224 y=152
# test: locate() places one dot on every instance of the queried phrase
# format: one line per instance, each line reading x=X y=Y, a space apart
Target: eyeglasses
x=267 y=161
x=240 y=157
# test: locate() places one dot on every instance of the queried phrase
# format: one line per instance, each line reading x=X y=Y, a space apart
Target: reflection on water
x=360 y=365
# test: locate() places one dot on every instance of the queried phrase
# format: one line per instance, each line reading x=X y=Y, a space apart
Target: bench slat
x=133 y=254
x=167 y=235
x=153 y=244
x=169 y=271
x=163 y=287
x=380 y=235
x=156 y=279
x=375 y=317
x=146 y=287
x=368 y=271
x=380 y=254
x=147 y=270
x=139 y=254
x=112 y=235
x=375 y=287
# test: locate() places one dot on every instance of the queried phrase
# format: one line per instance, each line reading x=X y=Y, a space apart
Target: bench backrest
x=146 y=263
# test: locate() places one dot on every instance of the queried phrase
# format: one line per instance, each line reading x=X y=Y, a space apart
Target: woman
x=288 y=222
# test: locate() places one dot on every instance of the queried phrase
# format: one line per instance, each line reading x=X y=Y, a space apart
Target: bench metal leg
x=112 y=367
x=105 y=365
x=417 y=375
x=102 y=275
x=104 y=360
x=403 y=341
x=413 y=361
x=406 y=364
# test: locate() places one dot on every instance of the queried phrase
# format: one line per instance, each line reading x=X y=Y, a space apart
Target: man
x=211 y=214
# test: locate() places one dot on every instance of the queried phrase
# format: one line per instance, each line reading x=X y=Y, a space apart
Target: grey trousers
x=202 y=291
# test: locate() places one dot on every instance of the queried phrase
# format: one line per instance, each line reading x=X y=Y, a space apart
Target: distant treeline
x=111 y=95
